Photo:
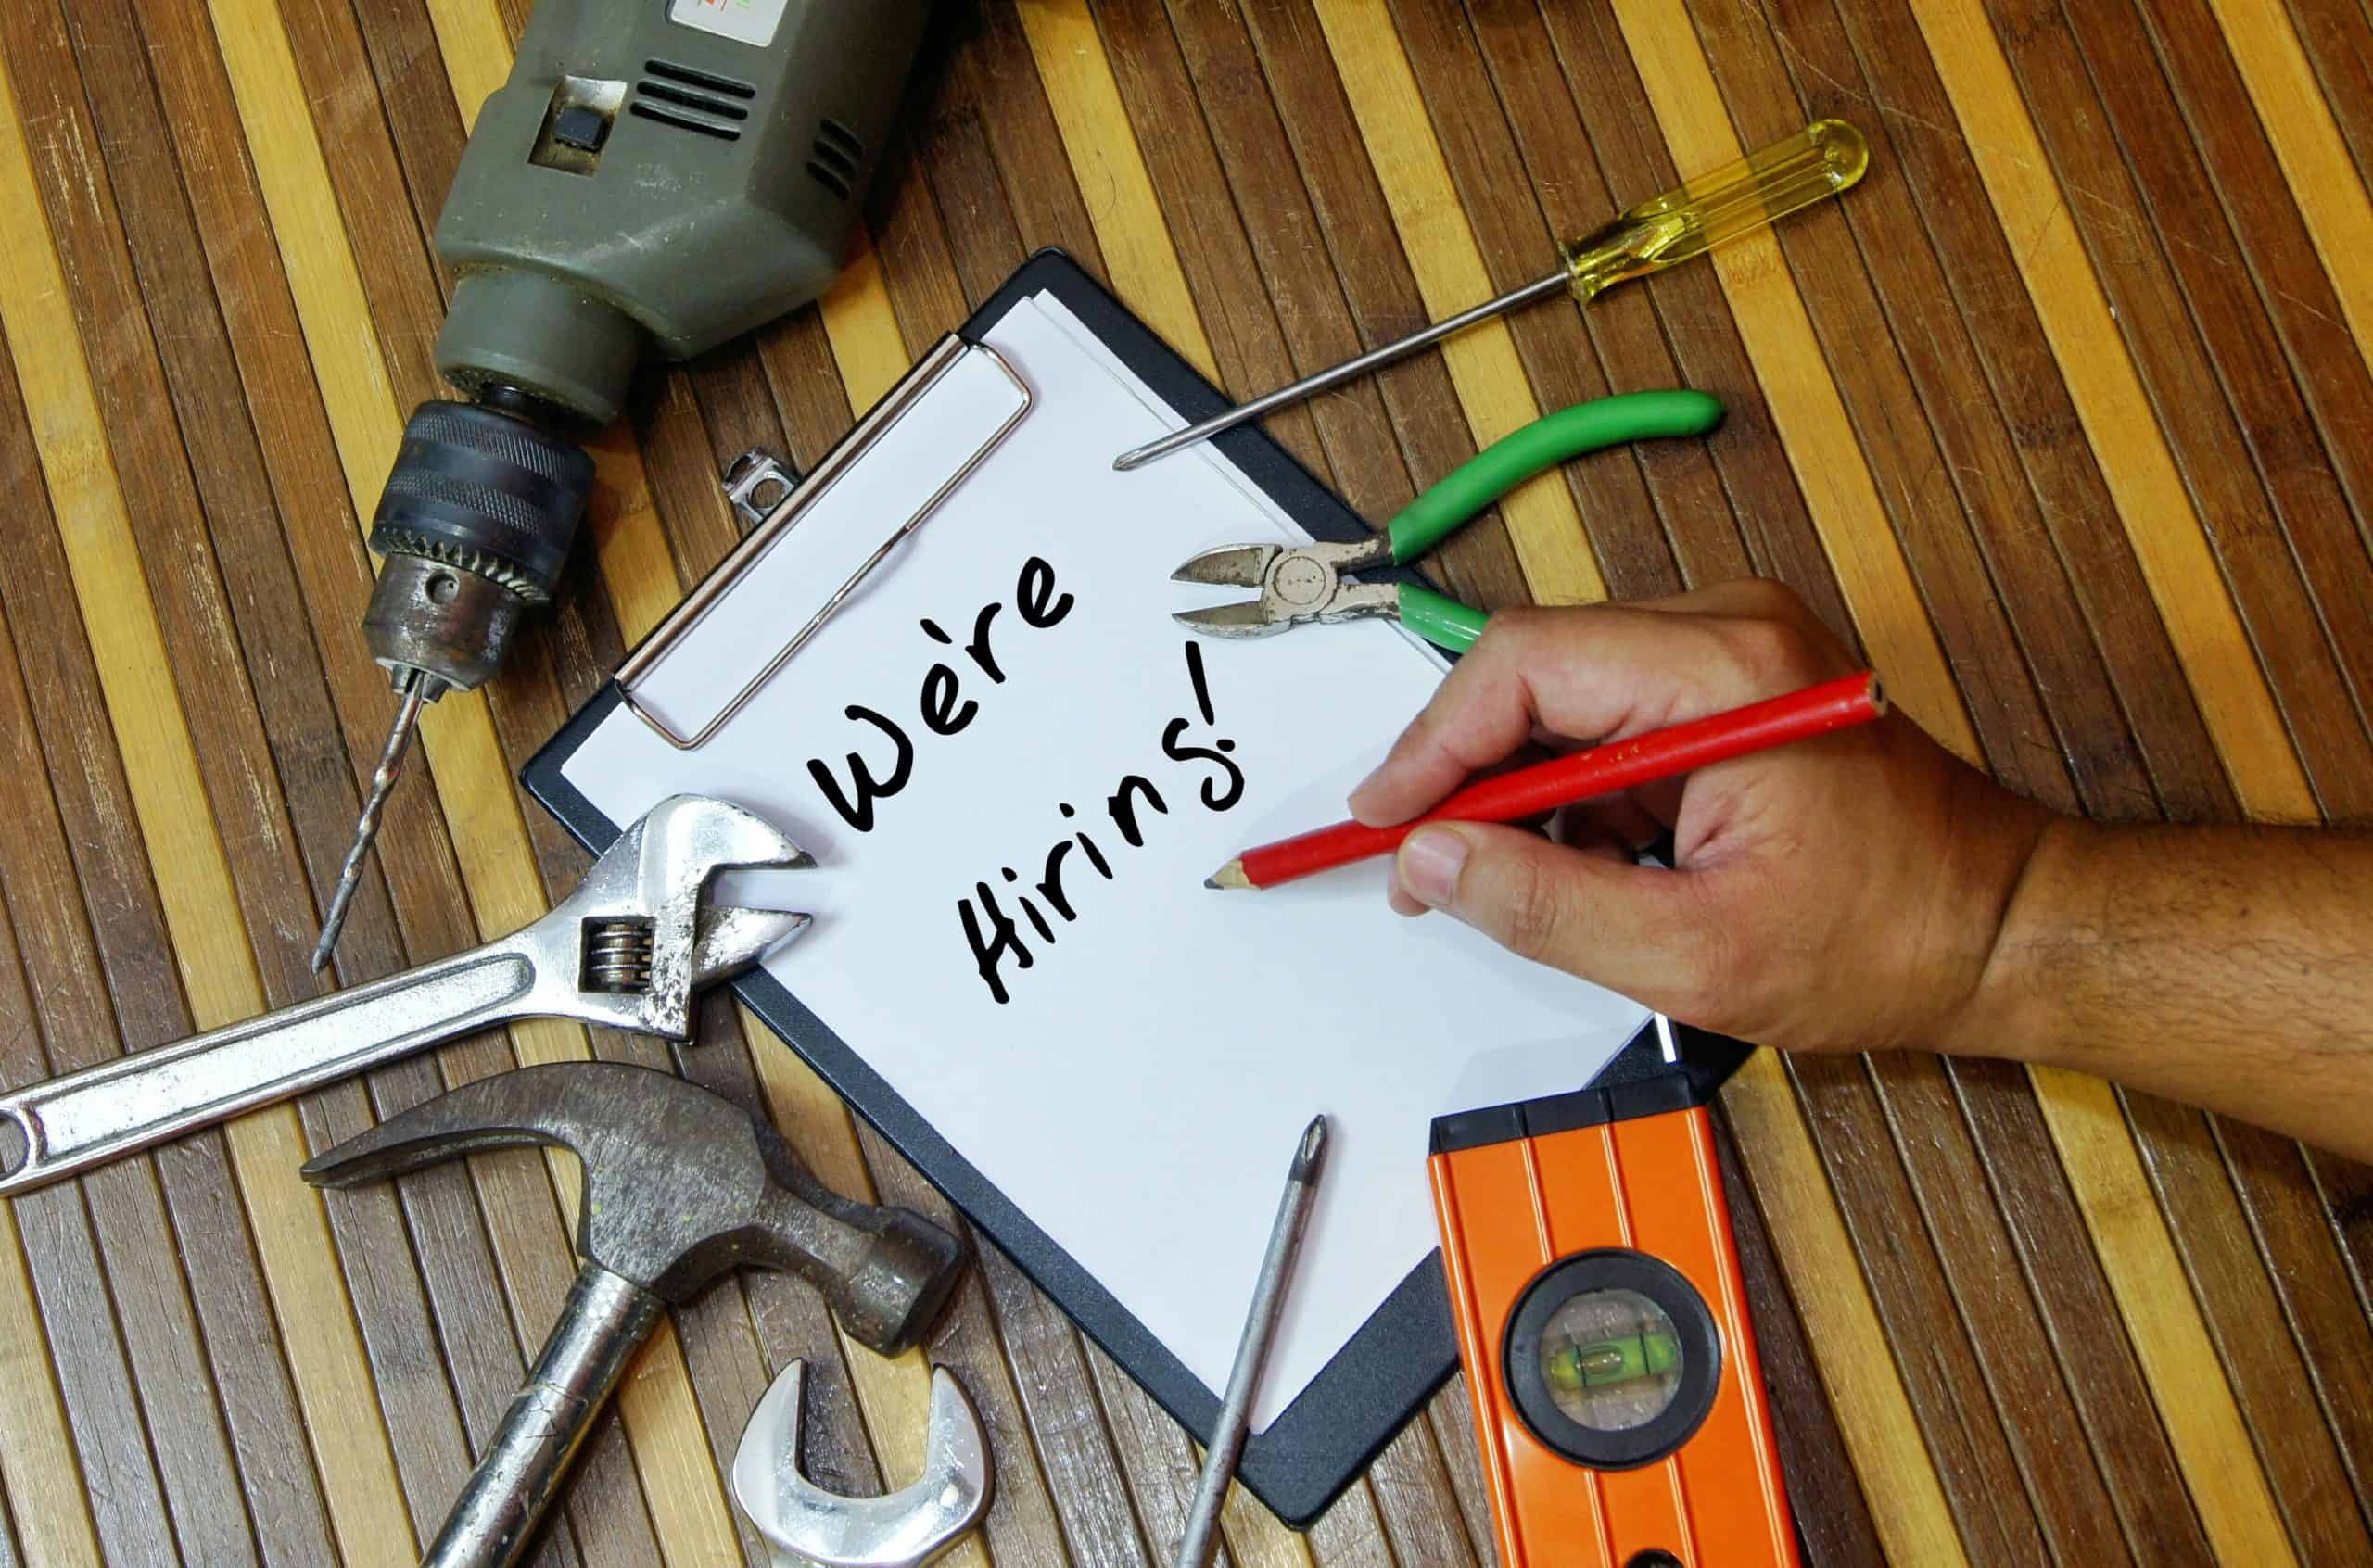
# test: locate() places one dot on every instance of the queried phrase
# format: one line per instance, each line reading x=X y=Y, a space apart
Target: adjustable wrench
x=627 y=949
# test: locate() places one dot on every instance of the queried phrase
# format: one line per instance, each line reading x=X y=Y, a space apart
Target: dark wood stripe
x=2337 y=37
x=1833 y=1517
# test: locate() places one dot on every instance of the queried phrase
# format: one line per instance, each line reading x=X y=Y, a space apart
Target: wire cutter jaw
x=1298 y=586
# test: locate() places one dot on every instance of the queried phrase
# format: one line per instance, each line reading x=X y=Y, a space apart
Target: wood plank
x=2199 y=441
x=1681 y=316
x=1337 y=278
x=2298 y=119
x=1559 y=565
x=39 y=1469
x=1807 y=411
x=1513 y=239
x=1833 y=1523
x=1111 y=173
x=236 y=488
x=1214 y=255
x=201 y=904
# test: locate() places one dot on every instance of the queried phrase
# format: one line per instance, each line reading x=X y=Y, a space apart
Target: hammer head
x=680 y=1186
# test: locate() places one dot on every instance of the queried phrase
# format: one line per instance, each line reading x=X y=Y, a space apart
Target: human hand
x=1841 y=893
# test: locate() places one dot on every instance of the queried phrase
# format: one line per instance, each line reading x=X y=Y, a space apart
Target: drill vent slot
x=692 y=78
x=692 y=100
x=677 y=118
x=839 y=152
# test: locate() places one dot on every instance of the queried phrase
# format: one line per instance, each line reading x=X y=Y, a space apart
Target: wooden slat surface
x=2062 y=416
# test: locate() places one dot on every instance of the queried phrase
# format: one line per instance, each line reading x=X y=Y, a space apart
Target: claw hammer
x=680 y=1186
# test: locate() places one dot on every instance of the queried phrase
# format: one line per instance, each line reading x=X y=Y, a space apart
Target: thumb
x=1632 y=929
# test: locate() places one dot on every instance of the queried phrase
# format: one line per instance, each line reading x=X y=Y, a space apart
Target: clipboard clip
x=764 y=490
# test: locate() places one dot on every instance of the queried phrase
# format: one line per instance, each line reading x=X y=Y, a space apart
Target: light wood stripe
x=2306 y=139
x=1849 y=1344
x=1806 y=408
x=475 y=45
x=2128 y=442
x=470 y=775
x=1550 y=542
x=1111 y=172
x=323 y=1341
x=46 y=1499
x=862 y=328
x=2187 y=1381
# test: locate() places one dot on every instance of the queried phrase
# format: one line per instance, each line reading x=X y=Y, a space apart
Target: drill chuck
x=475 y=523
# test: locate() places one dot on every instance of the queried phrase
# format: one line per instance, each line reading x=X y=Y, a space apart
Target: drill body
x=655 y=176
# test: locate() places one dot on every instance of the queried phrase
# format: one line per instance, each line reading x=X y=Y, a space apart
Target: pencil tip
x=1229 y=878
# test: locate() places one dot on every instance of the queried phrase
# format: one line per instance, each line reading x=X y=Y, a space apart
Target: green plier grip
x=1546 y=442
x=1442 y=621
x=1509 y=462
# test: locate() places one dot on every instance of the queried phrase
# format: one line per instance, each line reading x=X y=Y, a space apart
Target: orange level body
x=1512 y=1207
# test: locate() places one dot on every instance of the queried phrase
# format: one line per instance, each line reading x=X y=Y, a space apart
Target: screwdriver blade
x=414 y=692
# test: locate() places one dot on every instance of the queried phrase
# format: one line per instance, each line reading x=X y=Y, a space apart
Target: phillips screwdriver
x=1822 y=159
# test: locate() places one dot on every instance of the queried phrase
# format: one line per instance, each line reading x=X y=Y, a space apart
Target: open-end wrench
x=907 y=1529
x=627 y=949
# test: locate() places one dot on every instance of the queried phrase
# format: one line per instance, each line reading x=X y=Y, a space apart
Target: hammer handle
x=605 y=1321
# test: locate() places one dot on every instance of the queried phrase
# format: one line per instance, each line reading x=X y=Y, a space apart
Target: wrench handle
x=68 y=1125
x=605 y=1321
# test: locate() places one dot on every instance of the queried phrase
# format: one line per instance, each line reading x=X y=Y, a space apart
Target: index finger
x=1599 y=673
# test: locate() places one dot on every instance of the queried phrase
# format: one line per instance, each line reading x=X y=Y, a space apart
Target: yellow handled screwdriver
x=1823 y=159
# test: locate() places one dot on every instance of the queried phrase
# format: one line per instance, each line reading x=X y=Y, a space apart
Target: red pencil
x=1602 y=770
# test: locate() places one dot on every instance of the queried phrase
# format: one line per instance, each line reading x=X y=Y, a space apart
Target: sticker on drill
x=744 y=21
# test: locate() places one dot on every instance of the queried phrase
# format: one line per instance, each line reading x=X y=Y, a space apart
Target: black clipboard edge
x=1407 y=1348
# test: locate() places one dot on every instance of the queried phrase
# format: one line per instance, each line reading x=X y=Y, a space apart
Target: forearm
x=2232 y=967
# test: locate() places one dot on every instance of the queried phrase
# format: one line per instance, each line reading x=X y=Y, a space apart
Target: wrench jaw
x=633 y=942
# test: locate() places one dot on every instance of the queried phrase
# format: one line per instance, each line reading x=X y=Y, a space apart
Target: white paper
x=1139 y=1093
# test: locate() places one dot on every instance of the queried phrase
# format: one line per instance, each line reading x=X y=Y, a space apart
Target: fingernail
x=1428 y=866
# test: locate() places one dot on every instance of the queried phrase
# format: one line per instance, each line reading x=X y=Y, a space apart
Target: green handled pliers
x=1306 y=583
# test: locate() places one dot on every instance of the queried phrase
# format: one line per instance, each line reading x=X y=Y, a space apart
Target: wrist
x=2007 y=1012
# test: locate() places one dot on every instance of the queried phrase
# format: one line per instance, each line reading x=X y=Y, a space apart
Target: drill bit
x=413 y=687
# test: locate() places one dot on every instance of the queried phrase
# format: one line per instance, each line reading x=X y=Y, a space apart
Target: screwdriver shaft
x=1253 y=1350
x=1311 y=385
x=414 y=690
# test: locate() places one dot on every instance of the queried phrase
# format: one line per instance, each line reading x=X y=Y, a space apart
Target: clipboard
x=1407 y=1348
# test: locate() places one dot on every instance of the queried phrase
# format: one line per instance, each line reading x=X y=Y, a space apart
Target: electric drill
x=655 y=176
